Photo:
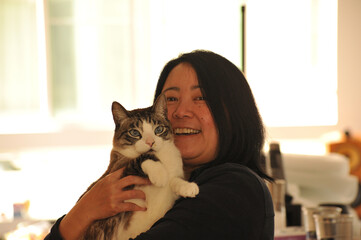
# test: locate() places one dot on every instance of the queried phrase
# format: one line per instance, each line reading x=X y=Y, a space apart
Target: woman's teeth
x=185 y=131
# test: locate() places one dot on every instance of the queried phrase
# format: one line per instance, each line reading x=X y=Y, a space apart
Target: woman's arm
x=104 y=199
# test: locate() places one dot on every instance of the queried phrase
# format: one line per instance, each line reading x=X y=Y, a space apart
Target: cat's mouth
x=185 y=131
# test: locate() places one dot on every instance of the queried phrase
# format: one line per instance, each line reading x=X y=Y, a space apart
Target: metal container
x=333 y=226
x=309 y=221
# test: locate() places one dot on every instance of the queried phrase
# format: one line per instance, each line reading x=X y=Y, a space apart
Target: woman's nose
x=183 y=109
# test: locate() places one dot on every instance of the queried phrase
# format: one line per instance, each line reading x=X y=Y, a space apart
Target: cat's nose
x=149 y=142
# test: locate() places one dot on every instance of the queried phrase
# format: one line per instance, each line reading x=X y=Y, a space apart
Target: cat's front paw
x=159 y=179
x=156 y=172
x=188 y=189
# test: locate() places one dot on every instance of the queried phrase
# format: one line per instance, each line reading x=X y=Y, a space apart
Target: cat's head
x=141 y=130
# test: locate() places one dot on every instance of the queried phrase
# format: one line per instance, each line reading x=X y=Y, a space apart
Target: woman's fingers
x=128 y=180
x=116 y=175
x=131 y=207
x=109 y=196
x=132 y=194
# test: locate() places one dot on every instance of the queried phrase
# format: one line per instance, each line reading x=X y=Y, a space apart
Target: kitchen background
x=63 y=62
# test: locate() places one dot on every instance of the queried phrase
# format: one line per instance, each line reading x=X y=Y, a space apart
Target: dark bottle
x=278 y=187
x=276 y=161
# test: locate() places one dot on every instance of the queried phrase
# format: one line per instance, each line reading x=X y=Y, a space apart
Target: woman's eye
x=159 y=130
x=171 y=99
x=201 y=98
x=134 y=133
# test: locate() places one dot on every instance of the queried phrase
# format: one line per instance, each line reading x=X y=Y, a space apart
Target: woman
x=220 y=135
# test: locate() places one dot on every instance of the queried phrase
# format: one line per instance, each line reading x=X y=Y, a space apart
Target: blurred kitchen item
x=322 y=179
x=309 y=222
x=290 y=233
x=293 y=213
x=350 y=147
x=278 y=191
x=276 y=162
x=278 y=187
x=21 y=210
x=333 y=226
x=344 y=227
x=317 y=179
x=325 y=226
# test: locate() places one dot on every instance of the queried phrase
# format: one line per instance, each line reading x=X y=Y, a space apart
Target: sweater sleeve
x=233 y=203
x=54 y=232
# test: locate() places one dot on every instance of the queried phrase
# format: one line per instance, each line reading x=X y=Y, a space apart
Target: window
x=65 y=61
x=22 y=70
x=292 y=61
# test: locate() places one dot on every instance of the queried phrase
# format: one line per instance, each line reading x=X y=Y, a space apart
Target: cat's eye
x=134 y=133
x=159 y=130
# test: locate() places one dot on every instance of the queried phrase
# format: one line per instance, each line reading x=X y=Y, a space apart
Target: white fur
x=167 y=178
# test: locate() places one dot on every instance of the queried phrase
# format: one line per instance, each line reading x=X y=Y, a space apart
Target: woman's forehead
x=182 y=75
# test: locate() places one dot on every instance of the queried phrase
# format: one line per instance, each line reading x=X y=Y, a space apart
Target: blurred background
x=63 y=62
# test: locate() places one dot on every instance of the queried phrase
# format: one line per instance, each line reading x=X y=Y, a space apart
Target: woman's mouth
x=185 y=131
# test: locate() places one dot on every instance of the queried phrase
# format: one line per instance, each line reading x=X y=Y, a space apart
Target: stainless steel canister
x=331 y=226
x=344 y=228
x=309 y=221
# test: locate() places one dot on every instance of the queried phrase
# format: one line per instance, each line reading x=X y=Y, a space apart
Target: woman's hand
x=104 y=199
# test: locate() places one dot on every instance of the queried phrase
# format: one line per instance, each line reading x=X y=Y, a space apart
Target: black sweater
x=233 y=203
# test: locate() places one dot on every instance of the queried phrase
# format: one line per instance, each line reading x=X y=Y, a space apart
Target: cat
x=143 y=144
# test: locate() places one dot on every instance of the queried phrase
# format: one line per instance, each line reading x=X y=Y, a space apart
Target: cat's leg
x=183 y=188
x=156 y=172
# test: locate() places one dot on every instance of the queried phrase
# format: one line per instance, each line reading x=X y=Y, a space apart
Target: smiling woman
x=220 y=152
x=190 y=117
x=199 y=97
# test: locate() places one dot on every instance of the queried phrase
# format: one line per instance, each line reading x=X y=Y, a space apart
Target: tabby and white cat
x=143 y=144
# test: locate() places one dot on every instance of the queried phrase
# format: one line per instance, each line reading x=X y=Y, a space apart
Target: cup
x=344 y=227
x=332 y=226
x=325 y=224
x=309 y=221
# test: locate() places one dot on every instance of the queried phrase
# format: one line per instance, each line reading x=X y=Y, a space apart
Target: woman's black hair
x=231 y=102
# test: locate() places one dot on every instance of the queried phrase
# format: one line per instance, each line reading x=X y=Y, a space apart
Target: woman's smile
x=186 y=131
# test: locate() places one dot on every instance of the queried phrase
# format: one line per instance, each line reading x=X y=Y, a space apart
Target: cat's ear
x=160 y=106
x=119 y=112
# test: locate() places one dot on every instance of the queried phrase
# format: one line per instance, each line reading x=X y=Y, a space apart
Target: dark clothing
x=233 y=203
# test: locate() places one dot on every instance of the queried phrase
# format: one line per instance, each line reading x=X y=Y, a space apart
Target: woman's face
x=196 y=134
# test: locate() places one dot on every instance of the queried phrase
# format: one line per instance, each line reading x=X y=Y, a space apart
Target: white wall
x=349 y=64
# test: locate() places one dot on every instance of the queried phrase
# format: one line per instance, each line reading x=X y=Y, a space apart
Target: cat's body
x=143 y=144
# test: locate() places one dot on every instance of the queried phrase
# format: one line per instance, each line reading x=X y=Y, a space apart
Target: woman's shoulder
x=224 y=171
x=236 y=181
x=233 y=203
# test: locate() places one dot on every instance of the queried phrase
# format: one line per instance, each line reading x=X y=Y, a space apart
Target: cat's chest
x=156 y=197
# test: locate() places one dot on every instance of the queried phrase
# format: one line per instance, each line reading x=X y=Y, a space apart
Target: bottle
x=276 y=161
x=278 y=187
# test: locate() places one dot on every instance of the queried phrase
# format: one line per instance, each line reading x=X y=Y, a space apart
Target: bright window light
x=100 y=51
x=292 y=61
